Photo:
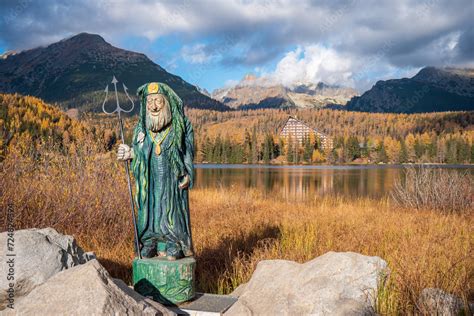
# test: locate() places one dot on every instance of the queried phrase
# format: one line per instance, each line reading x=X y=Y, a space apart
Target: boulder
x=35 y=255
x=86 y=289
x=437 y=302
x=238 y=291
x=332 y=284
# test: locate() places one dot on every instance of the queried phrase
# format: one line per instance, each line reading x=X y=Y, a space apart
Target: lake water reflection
x=303 y=182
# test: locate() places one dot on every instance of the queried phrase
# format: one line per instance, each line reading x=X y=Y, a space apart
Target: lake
x=303 y=182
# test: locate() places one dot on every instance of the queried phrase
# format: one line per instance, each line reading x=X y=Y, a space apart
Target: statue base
x=167 y=282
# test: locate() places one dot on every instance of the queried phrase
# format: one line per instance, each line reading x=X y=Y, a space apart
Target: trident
x=119 y=110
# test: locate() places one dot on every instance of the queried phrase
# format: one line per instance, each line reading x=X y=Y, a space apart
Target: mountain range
x=430 y=90
x=258 y=92
x=74 y=72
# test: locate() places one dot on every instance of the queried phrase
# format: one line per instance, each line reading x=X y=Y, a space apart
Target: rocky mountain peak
x=432 y=89
x=86 y=38
x=263 y=92
x=8 y=54
x=74 y=70
x=249 y=77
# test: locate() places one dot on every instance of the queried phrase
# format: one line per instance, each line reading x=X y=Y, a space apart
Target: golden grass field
x=233 y=230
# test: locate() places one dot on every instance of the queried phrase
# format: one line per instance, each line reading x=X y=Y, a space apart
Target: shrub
x=434 y=188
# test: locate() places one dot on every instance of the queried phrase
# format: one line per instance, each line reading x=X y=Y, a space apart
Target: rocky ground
x=47 y=273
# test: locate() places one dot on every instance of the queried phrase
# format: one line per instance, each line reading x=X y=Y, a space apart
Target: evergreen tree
x=296 y=152
x=247 y=147
x=277 y=150
x=207 y=150
x=226 y=150
x=254 y=146
x=462 y=151
x=472 y=153
x=333 y=156
x=290 y=150
x=307 y=149
x=281 y=147
x=339 y=142
x=317 y=144
x=419 y=149
x=364 y=151
x=238 y=154
x=268 y=149
x=352 y=149
x=217 y=150
x=431 y=149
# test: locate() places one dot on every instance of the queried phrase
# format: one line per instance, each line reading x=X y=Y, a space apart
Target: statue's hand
x=184 y=182
x=140 y=137
x=124 y=152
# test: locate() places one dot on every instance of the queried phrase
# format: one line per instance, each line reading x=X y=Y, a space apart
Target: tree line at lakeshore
x=422 y=148
x=32 y=126
x=254 y=137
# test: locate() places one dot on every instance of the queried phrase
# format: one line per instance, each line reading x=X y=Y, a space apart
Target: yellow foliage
x=235 y=229
x=392 y=148
x=317 y=156
x=372 y=127
x=410 y=144
x=33 y=124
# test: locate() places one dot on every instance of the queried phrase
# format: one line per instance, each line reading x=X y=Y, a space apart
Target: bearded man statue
x=162 y=164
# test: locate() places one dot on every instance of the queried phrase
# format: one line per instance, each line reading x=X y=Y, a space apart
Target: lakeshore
x=236 y=227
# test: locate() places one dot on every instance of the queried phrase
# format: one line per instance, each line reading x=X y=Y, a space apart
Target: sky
x=214 y=43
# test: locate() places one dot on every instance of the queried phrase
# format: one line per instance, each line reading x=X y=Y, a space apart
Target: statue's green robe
x=163 y=208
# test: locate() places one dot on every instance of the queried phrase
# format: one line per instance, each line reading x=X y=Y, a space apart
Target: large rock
x=35 y=255
x=86 y=290
x=332 y=284
x=238 y=291
x=437 y=302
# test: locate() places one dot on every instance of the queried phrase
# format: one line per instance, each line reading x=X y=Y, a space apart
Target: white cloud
x=314 y=63
x=196 y=54
x=339 y=41
x=352 y=25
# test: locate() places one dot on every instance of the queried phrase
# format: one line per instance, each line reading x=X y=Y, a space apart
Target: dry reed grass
x=234 y=229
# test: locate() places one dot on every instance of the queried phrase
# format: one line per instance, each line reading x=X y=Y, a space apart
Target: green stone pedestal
x=167 y=282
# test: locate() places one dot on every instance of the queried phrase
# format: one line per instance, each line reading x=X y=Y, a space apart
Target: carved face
x=158 y=112
x=155 y=103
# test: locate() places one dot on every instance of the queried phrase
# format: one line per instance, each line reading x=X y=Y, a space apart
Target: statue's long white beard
x=156 y=123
